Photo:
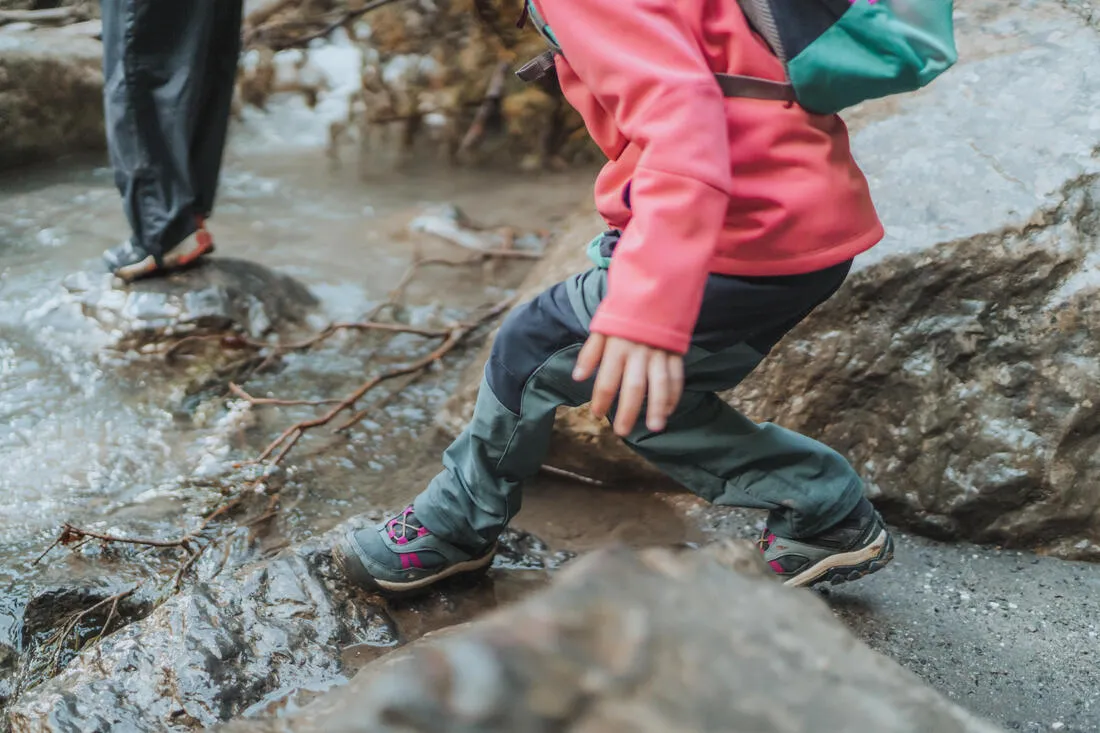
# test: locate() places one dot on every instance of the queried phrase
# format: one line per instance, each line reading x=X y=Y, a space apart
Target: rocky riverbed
x=122 y=394
x=955 y=368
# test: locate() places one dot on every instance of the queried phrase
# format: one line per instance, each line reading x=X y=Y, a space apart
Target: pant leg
x=155 y=56
x=212 y=121
x=709 y=447
x=528 y=376
x=718 y=453
x=724 y=457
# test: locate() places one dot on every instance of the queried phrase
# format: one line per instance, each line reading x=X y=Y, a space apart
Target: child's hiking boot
x=402 y=555
x=130 y=262
x=859 y=545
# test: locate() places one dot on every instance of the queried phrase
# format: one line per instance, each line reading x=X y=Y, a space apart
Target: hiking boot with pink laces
x=857 y=546
x=402 y=555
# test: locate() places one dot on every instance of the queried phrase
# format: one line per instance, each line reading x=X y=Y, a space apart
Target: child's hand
x=632 y=371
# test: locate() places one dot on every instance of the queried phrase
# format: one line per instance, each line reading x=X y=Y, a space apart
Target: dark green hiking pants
x=709 y=447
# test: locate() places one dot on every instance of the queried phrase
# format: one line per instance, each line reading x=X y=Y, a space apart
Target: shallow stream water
x=95 y=437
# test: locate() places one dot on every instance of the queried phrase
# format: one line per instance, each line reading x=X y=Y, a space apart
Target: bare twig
x=381 y=404
x=269 y=512
x=58 y=639
x=490 y=106
x=54 y=544
x=70 y=533
x=74 y=537
x=110 y=616
x=186 y=567
x=259 y=32
x=238 y=392
x=368 y=325
x=572 y=476
x=293 y=434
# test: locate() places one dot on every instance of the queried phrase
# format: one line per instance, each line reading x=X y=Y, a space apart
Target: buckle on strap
x=751 y=87
x=537 y=68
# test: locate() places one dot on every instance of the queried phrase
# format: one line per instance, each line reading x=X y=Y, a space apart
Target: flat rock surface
x=653 y=641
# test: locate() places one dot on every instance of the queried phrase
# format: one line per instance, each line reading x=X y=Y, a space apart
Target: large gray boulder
x=51 y=95
x=244 y=640
x=958 y=368
x=644 y=642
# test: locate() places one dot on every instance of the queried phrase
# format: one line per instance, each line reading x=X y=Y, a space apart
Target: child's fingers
x=632 y=392
x=660 y=387
x=589 y=358
x=675 y=381
x=606 y=387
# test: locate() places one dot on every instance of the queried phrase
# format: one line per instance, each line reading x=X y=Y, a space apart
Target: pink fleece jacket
x=698 y=183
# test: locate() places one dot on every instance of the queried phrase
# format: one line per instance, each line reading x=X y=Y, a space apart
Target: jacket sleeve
x=642 y=64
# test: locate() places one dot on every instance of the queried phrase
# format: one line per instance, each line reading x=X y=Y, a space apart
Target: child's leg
x=708 y=446
x=453 y=524
x=820 y=527
x=721 y=455
x=528 y=376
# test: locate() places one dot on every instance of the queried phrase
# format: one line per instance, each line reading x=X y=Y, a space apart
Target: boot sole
x=353 y=568
x=848 y=566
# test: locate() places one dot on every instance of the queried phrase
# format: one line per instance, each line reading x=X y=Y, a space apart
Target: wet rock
x=9 y=664
x=60 y=620
x=963 y=385
x=221 y=296
x=244 y=641
x=957 y=368
x=207 y=654
x=50 y=608
x=51 y=96
x=650 y=641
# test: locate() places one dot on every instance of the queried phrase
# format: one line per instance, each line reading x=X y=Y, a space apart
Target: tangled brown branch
x=276 y=36
x=57 y=640
x=195 y=542
x=290 y=437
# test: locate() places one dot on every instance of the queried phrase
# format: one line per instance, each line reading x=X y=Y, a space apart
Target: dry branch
x=239 y=392
x=264 y=33
x=490 y=108
x=58 y=639
x=554 y=471
x=368 y=325
x=290 y=437
x=71 y=534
